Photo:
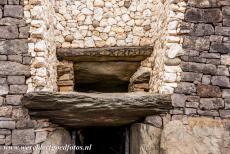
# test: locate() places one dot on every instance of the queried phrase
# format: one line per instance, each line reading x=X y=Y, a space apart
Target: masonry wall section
x=16 y=126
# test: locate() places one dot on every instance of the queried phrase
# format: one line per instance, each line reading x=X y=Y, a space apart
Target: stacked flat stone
x=40 y=15
x=16 y=127
x=65 y=76
x=197 y=59
x=100 y=23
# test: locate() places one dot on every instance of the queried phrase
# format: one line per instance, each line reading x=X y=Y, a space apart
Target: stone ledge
x=91 y=109
x=105 y=54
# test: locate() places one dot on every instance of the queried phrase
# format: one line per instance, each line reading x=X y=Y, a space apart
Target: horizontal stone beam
x=105 y=54
x=90 y=109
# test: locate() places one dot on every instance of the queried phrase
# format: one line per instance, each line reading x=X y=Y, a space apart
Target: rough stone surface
x=211 y=103
x=58 y=138
x=208 y=91
x=112 y=107
x=155 y=121
x=144 y=139
x=23 y=137
x=201 y=135
x=221 y=81
x=13 y=68
x=105 y=54
x=203 y=15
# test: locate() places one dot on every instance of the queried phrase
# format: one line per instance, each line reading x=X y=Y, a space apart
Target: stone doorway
x=104 y=140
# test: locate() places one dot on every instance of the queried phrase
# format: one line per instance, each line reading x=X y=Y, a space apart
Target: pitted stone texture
x=221 y=81
x=15 y=11
x=208 y=91
x=128 y=23
x=145 y=139
x=58 y=138
x=211 y=103
x=8 y=32
x=201 y=136
x=203 y=15
x=185 y=88
x=23 y=137
x=178 y=100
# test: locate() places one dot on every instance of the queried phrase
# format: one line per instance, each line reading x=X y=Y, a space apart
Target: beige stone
x=200 y=136
x=58 y=138
x=145 y=139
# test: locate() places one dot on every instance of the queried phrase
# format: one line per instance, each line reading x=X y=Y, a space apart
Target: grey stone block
x=204 y=15
x=220 y=47
x=13 y=99
x=7 y=124
x=221 y=81
x=190 y=76
x=13 y=2
x=3 y=2
x=211 y=103
x=15 y=11
x=24 y=32
x=8 y=32
x=224 y=31
x=15 y=58
x=225 y=113
x=23 y=137
x=202 y=30
x=190 y=111
x=155 y=121
x=11 y=47
x=185 y=88
x=226 y=93
x=208 y=113
x=178 y=100
x=17 y=80
x=4 y=89
x=13 y=68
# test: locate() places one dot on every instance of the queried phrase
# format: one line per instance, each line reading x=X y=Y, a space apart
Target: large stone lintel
x=91 y=109
x=105 y=54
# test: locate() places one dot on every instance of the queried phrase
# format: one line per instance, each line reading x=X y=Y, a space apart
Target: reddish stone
x=208 y=91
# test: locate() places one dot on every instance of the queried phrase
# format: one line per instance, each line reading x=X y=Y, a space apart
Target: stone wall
x=16 y=126
x=190 y=61
x=204 y=86
x=100 y=23
x=195 y=135
x=41 y=46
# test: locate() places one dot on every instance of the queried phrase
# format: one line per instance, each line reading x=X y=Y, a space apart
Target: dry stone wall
x=16 y=126
x=196 y=64
x=100 y=23
x=204 y=82
x=42 y=48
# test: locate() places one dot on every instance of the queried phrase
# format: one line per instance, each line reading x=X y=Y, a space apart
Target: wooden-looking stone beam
x=105 y=54
x=92 y=109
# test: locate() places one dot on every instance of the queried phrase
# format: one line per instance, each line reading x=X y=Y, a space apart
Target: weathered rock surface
x=91 y=109
x=57 y=138
x=13 y=68
x=208 y=91
x=145 y=139
x=105 y=54
x=200 y=136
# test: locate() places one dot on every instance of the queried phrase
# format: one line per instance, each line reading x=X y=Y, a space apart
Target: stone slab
x=92 y=109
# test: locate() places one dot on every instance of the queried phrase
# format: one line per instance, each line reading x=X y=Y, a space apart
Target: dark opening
x=106 y=77
x=105 y=87
x=111 y=140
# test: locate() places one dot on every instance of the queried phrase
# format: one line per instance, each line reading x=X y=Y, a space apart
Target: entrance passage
x=103 y=77
x=106 y=140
